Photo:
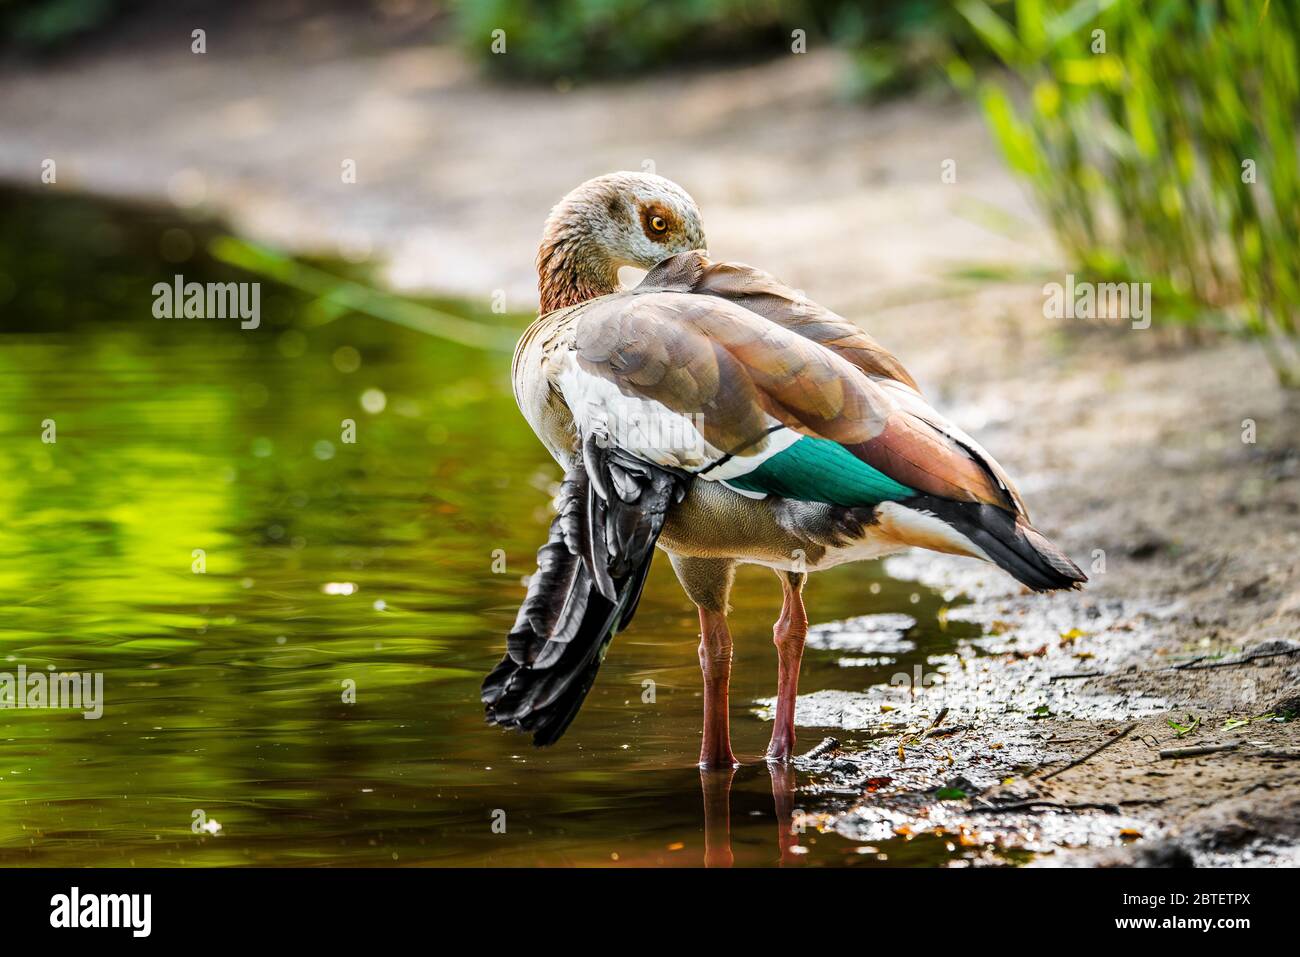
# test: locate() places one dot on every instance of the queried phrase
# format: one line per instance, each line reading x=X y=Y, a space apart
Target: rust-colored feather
x=917 y=447
x=736 y=346
x=911 y=452
x=763 y=294
x=700 y=355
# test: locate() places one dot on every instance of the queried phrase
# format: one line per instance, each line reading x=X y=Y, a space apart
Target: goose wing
x=763 y=294
x=764 y=391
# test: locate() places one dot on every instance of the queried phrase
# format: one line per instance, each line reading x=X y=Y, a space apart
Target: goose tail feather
x=589 y=578
x=1007 y=540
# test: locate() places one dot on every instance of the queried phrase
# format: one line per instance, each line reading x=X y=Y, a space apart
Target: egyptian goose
x=719 y=414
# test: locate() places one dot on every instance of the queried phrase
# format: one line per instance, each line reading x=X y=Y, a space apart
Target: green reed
x=1160 y=140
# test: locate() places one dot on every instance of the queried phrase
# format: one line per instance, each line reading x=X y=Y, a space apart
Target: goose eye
x=658 y=224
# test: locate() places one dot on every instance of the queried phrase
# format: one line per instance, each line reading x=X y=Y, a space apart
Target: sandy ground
x=454 y=176
x=1127 y=444
x=1131 y=455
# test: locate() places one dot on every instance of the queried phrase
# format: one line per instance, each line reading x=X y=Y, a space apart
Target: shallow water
x=328 y=563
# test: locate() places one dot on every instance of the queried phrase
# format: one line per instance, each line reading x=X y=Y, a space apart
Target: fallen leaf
x=1068 y=637
x=1180 y=730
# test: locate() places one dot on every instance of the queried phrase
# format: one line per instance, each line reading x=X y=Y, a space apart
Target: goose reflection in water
x=715 y=783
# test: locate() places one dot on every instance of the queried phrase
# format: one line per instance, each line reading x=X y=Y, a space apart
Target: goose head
x=620 y=219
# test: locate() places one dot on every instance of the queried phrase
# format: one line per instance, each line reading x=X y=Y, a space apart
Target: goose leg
x=708 y=583
x=788 y=635
x=715 y=663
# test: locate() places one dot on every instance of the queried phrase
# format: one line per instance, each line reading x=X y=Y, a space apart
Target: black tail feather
x=1008 y=540
x=590 y=574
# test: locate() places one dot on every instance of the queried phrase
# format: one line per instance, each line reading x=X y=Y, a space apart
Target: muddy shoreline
x=1187 y=637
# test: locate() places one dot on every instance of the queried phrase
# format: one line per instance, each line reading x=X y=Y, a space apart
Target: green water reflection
x=326 y=563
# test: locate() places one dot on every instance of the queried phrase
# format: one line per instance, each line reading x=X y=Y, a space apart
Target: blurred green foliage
x=337 y=295
x=578 y=38
x=41 y=24
x=893 y=45
x=1160 y=139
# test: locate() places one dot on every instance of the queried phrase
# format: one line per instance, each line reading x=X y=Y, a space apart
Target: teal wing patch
x=819 y=470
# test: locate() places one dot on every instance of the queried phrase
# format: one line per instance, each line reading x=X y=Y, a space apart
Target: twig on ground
x=1189 y=665
x=1093 y=753
x=1193 y=664
x=1260 y=786
x=1059 y=806
x=1196 y=751
x=827 y=746
x=909 y=737
x=944 y=732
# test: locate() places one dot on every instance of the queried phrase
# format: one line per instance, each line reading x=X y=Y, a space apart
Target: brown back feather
x=740 y=346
